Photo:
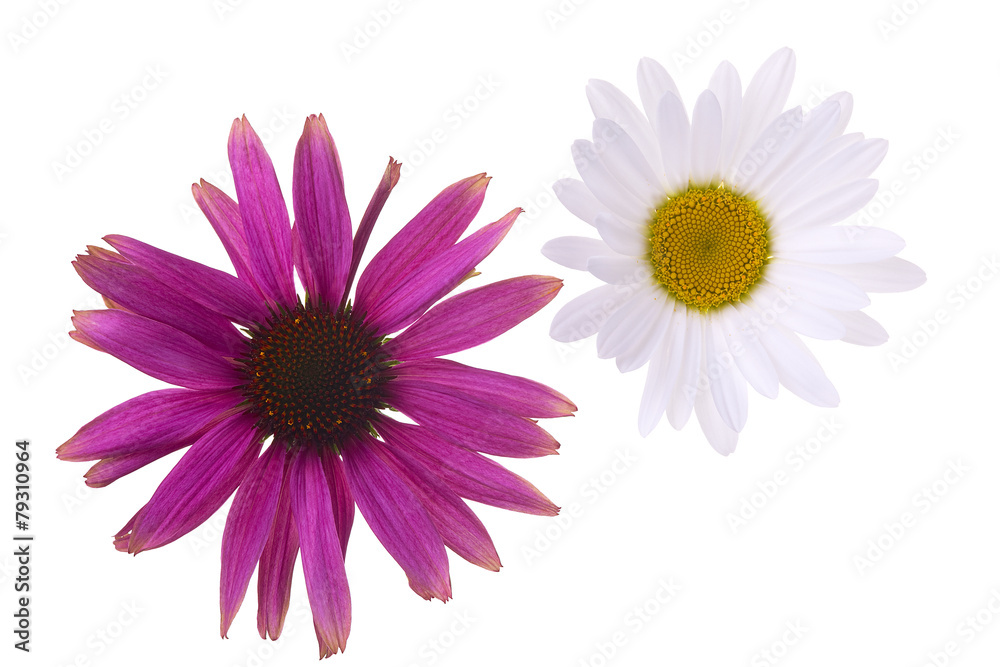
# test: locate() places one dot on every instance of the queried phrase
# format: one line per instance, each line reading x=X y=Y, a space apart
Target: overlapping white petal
x=807 y=178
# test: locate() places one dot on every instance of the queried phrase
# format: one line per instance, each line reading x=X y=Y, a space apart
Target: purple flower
x=253 y=361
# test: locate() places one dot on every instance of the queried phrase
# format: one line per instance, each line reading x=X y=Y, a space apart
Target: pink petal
x=199 y=484
x=156 y=349
x=277 y=564
x=322 y=220
x=473 y=317
x=470 y=423
x=265 y=217
x=340 y=494
x=247 y=529
x=322 y=559
x=385 y=186
x=398 y=519
x=136 y=290
x=470 y=474
x=122 y=536
x=510 y=393
x=435 y=278
x=113 y=468
x=459 y=527
x=147 y=421
x=224 y=215
x=298 y=259
x=218 y=291
x=435 y=229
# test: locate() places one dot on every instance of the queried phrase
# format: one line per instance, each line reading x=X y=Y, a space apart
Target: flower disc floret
x=708 y=246
x=314 y=374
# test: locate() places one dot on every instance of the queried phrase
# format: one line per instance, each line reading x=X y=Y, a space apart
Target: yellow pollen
x=708 y=246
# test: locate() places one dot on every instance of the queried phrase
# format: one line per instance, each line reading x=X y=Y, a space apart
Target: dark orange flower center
x=314 y=374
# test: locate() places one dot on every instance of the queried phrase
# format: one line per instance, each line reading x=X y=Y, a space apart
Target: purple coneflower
x=253 y=361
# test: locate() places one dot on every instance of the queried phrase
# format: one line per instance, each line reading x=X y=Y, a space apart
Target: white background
x=663 y=512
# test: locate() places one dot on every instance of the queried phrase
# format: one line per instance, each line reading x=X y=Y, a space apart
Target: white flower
x=719 y=242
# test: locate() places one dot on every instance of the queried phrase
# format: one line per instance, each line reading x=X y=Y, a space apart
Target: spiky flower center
x=314 y=374
x=708 y=246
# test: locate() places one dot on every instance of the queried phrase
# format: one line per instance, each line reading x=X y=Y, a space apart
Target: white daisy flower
x=719 y=243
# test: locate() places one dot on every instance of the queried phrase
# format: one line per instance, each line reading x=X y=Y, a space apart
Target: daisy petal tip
x=785 y=54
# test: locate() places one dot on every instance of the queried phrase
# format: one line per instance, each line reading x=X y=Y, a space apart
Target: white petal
x=796 y=143
x=654 y=82
x=725 y=83
x=626 y=163
x=586 y=314
x=807 y=164
x=830 y=207
x=822 y=123
x=721 y=437
x=706 y=139
x=647 y=339
x=887 y=275
x=636 y=314
x=686 y=386
x=579 y=200
x=727 y=386
x=674 y=131
x=800 y=316
x=843 y=244
x=607 y=101
x=797 y=368
x=861 y=329
x=619 y=270
x=857 y=160
x=817 y=286
x=574 y=251
x=765 y=97
x=772 y=146
x=846 y=102
x=604 y=186
x=751 y=358
x=664 y=368
x=622 y=238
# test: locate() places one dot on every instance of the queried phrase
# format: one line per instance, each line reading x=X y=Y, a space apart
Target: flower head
x=720 y=244
x=312 y=378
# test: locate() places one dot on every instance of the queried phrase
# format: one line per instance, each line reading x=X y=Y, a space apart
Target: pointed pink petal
x=277 y=564
x=470 y=423
x=113 y=468
x=340 y=495
x=398 y=519
x=459 y=527
x=224 y=215
x=122 y=536
x=199 y=484
x=322 y=559
x=516 y=395
x=216 y=290
x=435 y=278
x=306 y=274
x=470 y=474
x=389 y=179
x=247 y=529
x=473 y=317
x=321 y=216
x=136 y=290
x=150 y=420
x=265 y=217
x=156 y=349
x=432 y=231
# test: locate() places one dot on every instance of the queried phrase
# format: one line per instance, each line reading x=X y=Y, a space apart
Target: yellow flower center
x=708 y=246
